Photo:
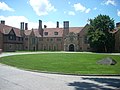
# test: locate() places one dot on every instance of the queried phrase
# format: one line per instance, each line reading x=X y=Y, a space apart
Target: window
x=58 y=39
x=51 y=39
x=55 y=33
x=40 y=39
x=33 y=40
x=10 y=37
x=26 y=39
x=86 y=40
x=47 y=39
x=18 y=38
x=46 y=33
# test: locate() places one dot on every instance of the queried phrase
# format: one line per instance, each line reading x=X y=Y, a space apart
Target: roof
x=51 y=31
x=36 y=32
x=27 y=32
x=75 y=29
x=5 y=29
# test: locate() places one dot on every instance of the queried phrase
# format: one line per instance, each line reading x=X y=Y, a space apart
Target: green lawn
x=72 y=63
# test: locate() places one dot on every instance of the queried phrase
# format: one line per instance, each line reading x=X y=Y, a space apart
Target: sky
x=77 y=12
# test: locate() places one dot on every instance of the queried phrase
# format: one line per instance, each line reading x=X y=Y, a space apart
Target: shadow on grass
x=114 y=83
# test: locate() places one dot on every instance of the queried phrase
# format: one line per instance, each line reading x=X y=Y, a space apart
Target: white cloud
x=95 y=8
x=87 y=10
x=71 y=13
x=112 y=2
x=118 y=13
x=80 y=7
x=5 y=7
x=42 y=7
x=15 y=22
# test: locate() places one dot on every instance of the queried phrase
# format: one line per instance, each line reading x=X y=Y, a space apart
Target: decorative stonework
x=71 y=40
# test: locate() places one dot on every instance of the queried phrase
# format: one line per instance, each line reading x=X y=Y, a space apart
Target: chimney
x=45 y=26
x=66 y=27
x=118 y=24
x=2 y=22
x=26 y=26
x=23 y=26
x=40 y=28
x=57 y=24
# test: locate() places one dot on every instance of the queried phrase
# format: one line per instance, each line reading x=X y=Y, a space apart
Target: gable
x=12 y=32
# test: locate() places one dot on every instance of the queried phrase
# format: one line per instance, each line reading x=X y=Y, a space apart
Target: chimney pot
x=57 y=24
x=26 y=26
x=118 y=24
x=2 y=22
x=45 y=26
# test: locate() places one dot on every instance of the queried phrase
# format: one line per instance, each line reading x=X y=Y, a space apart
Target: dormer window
x=46 y=33
x=55 y=33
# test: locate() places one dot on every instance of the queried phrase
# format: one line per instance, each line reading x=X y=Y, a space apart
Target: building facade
x=46 y=39
x=117 y=38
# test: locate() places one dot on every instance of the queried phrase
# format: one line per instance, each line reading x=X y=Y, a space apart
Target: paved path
x=15 y=79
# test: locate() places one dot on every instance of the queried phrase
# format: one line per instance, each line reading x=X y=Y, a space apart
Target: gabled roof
x=27 y=32
x=75 y=29
x=5 y=29
x=51 y=32
x=60 y=31
x=36 y=33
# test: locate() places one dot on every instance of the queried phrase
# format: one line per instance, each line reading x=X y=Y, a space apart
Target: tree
x=99 y=36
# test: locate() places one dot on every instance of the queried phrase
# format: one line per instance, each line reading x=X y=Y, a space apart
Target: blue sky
x=77 y=12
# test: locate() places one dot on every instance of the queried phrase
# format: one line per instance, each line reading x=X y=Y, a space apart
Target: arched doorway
x=71 y=47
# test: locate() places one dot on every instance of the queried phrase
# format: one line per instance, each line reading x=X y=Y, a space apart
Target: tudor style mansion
x=47 y=39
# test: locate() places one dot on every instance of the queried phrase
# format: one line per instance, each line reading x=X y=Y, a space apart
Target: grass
x=67 y=63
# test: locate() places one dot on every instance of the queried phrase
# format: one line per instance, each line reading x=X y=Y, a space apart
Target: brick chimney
x=57 y=25
x=118 y=24
x=22 y=25
x=26 y=26
x=45 y=26
x=66 y=28
x=40 y=28
x=2 y=22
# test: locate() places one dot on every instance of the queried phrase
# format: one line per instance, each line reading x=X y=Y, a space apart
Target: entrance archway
x=71 y=47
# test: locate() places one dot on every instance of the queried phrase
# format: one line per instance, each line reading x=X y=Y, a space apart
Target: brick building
x=46 y=39
x=117 y=38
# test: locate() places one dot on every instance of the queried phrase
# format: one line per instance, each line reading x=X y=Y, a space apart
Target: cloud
x=112 y=2
x=118 y=13
x=15 y=22
x=5 y=7
x=95 y=8
x=87 y=10
x=42 y=7
x=71 y=13
x=81 y=8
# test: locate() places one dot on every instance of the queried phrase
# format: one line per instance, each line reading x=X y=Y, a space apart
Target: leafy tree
x=99 y=36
